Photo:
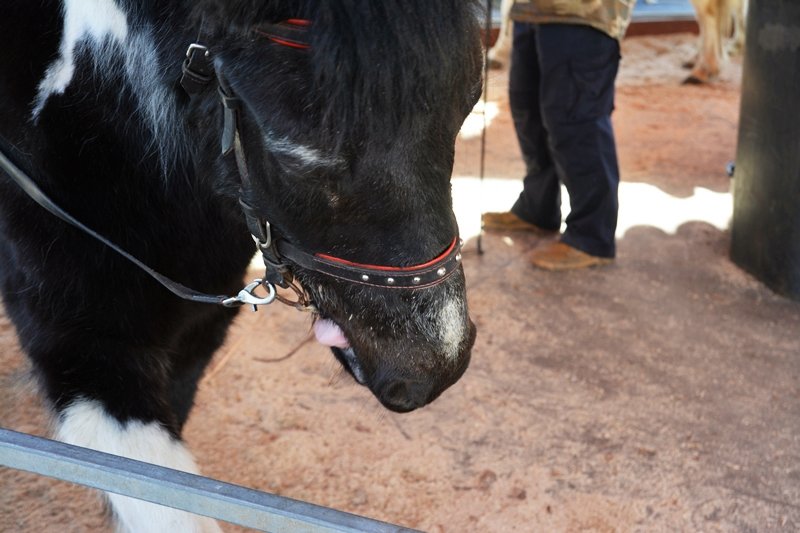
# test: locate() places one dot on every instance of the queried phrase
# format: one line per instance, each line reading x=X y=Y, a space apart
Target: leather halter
x=198 y=73
x=198 y=69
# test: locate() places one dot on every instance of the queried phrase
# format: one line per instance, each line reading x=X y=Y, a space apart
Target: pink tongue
x=330 y=334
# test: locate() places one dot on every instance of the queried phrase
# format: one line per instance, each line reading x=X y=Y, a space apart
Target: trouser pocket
x=594 y=86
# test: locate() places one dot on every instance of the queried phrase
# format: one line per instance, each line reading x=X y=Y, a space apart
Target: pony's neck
x=121 y=46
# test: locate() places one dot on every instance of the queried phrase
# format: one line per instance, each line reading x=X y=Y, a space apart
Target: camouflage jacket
x=609 y=16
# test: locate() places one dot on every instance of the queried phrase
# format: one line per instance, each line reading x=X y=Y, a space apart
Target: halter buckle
x=197 y=69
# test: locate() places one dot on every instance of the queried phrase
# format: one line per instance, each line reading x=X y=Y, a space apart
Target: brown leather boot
x=560 y=256
x=508 y=221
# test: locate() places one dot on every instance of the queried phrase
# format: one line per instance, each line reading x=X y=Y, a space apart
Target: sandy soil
x=658 y=394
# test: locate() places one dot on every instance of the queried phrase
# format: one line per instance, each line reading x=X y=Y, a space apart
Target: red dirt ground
x=658 y=394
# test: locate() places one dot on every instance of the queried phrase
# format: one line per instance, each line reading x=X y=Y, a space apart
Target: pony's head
x=348 y=135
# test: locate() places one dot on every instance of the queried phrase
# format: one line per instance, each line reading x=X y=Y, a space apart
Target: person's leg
x=540 y=201
x=578 y=66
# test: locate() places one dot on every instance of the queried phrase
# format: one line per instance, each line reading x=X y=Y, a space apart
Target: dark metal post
x=765 y=234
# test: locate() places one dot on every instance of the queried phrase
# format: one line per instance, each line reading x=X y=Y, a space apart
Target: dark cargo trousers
x=561 y=90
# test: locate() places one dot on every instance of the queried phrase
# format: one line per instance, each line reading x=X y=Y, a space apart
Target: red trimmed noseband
x=290 y=32
x=419 y=276
x=388 y=268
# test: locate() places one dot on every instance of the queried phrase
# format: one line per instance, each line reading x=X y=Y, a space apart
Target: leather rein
x=277 y=252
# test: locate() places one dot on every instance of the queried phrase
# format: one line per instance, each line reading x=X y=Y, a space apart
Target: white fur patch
x=101 y=27
x=86 y=423
x=92 y=20
x=451 y=324
x=305 y=155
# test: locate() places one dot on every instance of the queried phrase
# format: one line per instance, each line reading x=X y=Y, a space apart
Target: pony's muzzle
x=403 y=394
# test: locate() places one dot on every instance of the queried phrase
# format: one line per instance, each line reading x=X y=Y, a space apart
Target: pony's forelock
x=369 y=55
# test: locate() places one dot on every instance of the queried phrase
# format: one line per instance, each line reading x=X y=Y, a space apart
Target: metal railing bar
x=180 y=490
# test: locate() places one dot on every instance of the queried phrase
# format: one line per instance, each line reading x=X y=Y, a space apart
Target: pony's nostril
x=395 y=392
x=404 y=395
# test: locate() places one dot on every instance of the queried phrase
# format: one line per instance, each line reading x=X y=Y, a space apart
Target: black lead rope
x=36 y=194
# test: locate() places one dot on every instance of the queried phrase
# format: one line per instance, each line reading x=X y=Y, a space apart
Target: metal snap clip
x=248 y=296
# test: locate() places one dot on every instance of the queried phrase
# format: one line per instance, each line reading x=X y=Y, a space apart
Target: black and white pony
x=324 y=128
